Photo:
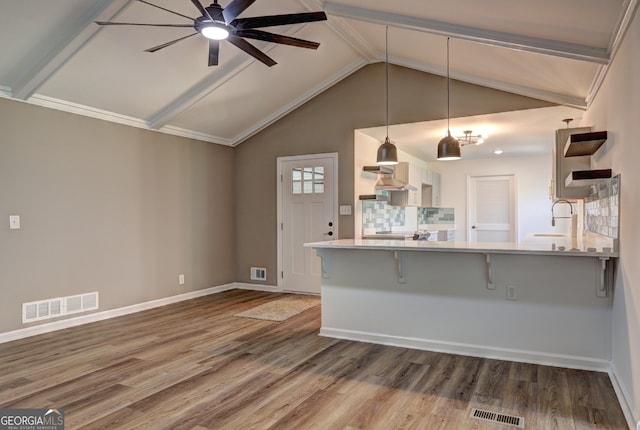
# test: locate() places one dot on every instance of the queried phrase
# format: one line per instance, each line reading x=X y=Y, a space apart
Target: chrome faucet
x=553 y=217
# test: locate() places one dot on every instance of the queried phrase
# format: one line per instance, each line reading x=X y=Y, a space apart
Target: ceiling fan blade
x=144 y=25
x=273 y=20
x=164 y=45
x=251 y=50
x=235 y=8
x=214 y=51
x=202 y=10
x=277 y=38
x=166 y=10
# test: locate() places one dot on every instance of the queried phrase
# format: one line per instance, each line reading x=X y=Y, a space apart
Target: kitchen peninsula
x=546 y=299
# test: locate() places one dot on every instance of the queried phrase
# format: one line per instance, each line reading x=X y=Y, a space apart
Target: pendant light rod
x=449 y=146
x=448 y=91
x=386 y=62
x=387 y=152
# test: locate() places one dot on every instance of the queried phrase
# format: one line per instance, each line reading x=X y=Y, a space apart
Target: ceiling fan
x=217 y=23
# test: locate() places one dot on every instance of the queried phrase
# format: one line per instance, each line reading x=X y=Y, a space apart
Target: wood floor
x=195 y=366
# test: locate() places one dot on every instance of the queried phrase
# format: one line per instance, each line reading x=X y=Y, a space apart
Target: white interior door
x=491 y=208
x=308 y=214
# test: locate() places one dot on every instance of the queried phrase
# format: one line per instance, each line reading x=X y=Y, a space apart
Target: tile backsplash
x=436 y=216
x=384 y=217
x=602 y=209
x=381 y=215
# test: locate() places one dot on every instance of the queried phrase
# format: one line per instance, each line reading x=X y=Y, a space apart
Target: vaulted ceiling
x=53 y=54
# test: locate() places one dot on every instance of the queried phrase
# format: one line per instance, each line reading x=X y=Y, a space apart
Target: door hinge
x=281 y=177
x=281 y=226
x=282 y=274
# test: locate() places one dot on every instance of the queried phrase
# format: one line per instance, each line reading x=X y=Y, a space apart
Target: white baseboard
x=256 y=287
x=523 y=356
x=99 y=316
x=632 y=417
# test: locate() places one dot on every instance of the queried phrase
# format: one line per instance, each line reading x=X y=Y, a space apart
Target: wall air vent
x=60 y=306
x=258 y=274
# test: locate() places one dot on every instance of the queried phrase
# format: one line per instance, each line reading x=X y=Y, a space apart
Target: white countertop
x=588 y=245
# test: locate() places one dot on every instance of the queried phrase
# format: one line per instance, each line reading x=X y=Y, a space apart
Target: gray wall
x=124 y=211
x=108 y=208
x=326 y=124
x=616 y=109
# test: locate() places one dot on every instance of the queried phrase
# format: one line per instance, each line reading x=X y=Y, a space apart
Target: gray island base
x=513 y=303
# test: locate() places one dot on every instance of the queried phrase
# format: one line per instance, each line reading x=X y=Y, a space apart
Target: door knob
x=330 y=233
x=330 y=224
x=473 y=226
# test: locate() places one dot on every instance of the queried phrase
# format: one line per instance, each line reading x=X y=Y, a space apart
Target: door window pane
x=307 y=187
x=307 y=180
x=297 y=187
x=308 y=173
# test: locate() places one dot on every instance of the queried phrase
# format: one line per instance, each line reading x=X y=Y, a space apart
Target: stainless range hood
x=387 y=181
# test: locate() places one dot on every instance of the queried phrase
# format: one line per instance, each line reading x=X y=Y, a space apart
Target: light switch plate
x=14 y=222
x=345 y=209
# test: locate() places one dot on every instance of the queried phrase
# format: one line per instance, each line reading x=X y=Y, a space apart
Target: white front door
x=491 y=208
x=308 y=190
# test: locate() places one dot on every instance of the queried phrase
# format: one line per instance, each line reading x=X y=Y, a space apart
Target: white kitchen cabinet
x=426 y=182
x=435 y=190
x=431 y=191
x=412 y=175
x=427 y=177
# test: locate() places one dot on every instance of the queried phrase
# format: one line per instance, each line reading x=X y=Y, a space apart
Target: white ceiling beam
x=494 y=38
x=200 y=90
x=59 y=51
x=624 y=21
x=345 y=31
x=203 y=88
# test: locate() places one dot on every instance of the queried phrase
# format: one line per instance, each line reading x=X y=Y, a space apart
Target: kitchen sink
x=550 y=235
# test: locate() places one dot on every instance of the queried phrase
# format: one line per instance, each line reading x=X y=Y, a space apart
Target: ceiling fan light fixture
x=215 y=32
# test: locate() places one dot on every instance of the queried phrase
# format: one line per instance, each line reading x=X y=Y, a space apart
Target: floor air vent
x=52 y=308
x=494 y=417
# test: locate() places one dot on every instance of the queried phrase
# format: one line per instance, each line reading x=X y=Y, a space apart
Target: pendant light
x=387 y=152
x=449 y=146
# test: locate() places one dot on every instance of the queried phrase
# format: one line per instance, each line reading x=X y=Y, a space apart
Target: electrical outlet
x=181 y=279
x=512 y=293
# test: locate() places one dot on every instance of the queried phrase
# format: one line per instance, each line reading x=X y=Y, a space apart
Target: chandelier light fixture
x=448 y=147
x=387 y=152
x=471 y=139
